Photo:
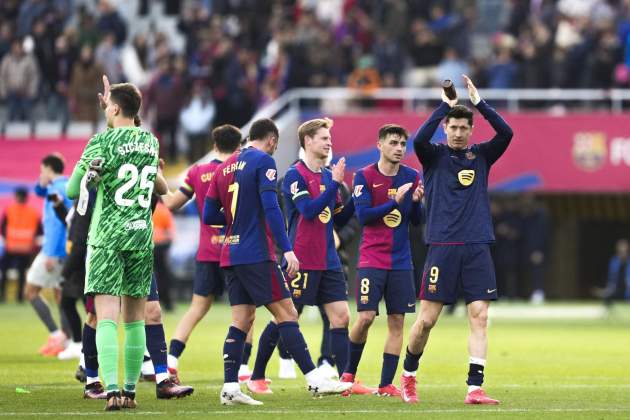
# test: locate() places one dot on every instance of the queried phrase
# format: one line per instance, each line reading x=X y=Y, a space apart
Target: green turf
x=551 y=369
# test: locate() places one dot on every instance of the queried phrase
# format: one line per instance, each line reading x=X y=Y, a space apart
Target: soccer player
x=245 y=186
x=120 y=248
x=313 y=204
x=459 y=231
x=45 y=270
x=208 y=282
x=387 y=197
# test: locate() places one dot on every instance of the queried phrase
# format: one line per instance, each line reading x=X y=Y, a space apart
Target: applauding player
x=387 y=197
x=313 y=204
x=245 y=187
x=459 y=231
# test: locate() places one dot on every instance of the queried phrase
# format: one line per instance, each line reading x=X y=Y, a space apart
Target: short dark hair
x=388 y=129
x=460 y=111
x=262 y=128
x=227 y=138
x=127 y=97
x=55 y=162
x=21 y=194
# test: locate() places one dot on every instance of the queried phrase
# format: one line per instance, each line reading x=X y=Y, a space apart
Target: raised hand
x=418 y=193
x=402 y=191
x=104 y=97
x=472 y=90
x=338 y=170
x=450 y=102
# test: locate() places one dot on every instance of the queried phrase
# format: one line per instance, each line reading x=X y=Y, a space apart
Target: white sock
x=56 y=333
x=159 y=377
x=147 y=368
x=477 y=361
x=171 y=361
x=472 y=388
x=82 y=360
x=406 y=373
x=90 y=380
x=314 y=376
x=231 y=387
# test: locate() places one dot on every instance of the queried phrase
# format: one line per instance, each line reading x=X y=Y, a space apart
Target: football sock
x=233 y=354
x=43 y=311
x=340 y=347
x=247 y=352
x=325 y=348
x=475 y=371
x=411 y=362
x=390 y=364
x=296 y=346
x=89 y=351
x=107 y=347
x=176 y=348
x=282 y=350
x=156 y=344
x=266 y=343
x=135 y=343
x=356 y=350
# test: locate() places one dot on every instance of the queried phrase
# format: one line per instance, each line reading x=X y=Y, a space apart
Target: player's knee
x=152 y=313
x=340 y=320
x=479 y=319
x=30 y=292
x=366 y=319
x=427 y=322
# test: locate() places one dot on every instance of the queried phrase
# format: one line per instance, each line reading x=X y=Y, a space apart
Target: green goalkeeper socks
x=107 y=346
x=135 y=342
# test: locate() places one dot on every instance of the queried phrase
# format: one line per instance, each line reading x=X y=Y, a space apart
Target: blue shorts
x=451 y=270
x=318 y=287
x=396 y=286
x=256 y=284
x=153 y=293
x=209 y=279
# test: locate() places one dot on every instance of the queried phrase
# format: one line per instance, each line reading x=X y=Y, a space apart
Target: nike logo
x=411 y=305
x=376 y=185
x=491 y=291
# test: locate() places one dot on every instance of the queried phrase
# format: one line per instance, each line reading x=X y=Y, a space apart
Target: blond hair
x=310 y=127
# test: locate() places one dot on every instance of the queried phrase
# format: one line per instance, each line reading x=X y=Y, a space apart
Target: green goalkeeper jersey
x=122 y=214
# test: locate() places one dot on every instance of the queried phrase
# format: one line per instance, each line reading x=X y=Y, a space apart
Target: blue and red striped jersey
x=385 y=236
x=237 y=184
x=312 y=234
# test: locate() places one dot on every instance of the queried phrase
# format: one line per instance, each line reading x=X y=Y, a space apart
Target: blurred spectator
x=196 y=120
x=65 y=57
x=111 y=22
x=425 y=49
x=618 y=283
x=535 y=244
x=166 y=93
x=107 y=55
x=163 y=233
x=507 y=228
x=452 y=67
x=86 y=74
x=365 y=77
x=19 y=80
x=19 y=227
x=135 y=61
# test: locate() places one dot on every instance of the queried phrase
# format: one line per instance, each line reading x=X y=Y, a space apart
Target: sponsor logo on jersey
x=271 y=174
x=392 y=219
x=358 y=190
x=232 y=240
x=466 y=177
x=217 y=239
x=470 y=155
x=136 y=225
x=322 y=188
x=324 y=216
x=589 y=150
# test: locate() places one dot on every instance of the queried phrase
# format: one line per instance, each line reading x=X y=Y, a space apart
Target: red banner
x=572 y=153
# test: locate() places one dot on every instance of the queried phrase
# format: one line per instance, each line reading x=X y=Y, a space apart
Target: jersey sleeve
x=91 y=151
x=266 y=174
x=213 y=190
x=294 y=186
x=187 y=187
x=361 y=191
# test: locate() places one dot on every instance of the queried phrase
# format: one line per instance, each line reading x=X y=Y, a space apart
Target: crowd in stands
x=237 y=55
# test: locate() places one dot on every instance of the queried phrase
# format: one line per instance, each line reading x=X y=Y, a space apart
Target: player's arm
x=494 y=148
x=417 y=212
x=92 y=151
x=343 y=213
x=421 y=139
x=295 y=187
x=212 y=214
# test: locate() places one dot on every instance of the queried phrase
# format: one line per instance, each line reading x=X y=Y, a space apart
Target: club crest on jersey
x=365 y=300
x=324 y=216
x=392 y=219
x=271 y=174
x=358 y=190
x=470 y=155
x=433 y=288
x=466 y=177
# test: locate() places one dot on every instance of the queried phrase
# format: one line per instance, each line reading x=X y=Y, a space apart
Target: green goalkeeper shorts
x=118 y=273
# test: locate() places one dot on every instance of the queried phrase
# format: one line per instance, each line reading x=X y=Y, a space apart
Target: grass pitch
x=551 y=368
